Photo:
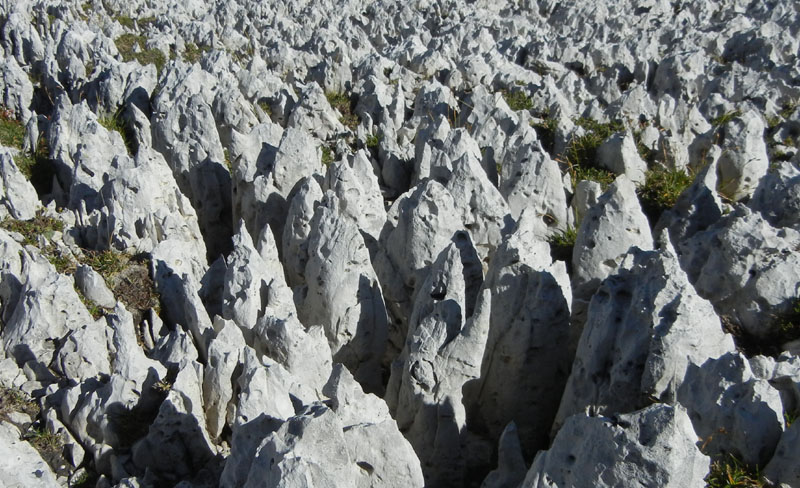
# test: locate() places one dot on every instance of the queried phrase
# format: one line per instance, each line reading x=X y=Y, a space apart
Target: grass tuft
x=341 y=102
x=729 y=472
x=192 y=52
x=116 y=123
x=725 y=118
x=517 y=100
x=581 y=153
x=327 y=155
x=372 y=141
x=562 y=243
x=12 y=131
x=546 y=132
x=43 y=440
x=32 y=229
x=132 y=47
x=661 y=190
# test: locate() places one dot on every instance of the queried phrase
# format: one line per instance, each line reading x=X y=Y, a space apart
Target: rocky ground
x=433 y=243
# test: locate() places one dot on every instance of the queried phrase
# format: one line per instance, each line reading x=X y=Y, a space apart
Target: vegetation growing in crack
x=341 y=102
x=581 y=153
x=327 y=155
x=546 y=132
x=517 y=100
x=725 y=118
x=729 y=472
x=661 y=190
x=562 y=243
x=12 y=132
x=132 y=47
x=115 y=122
x=192 y=52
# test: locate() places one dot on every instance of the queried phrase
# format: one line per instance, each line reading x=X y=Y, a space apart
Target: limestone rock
x=744 y=156
x=731 y=410
x=47 y=309
x=639 y=341
x=511 y=468
x=652 y=447
x=342 y=293
x=306 y=197
x=144 y=206
x=608 y=230
x=746 y=268
x=530 y=179
x=782 y=470
x=219 y=376
x=777 y=196
x=419 y=225
x=697 y=208
x=373 y=440
x=177 y=445
x=619 y=155
x=530 y=345
x=92 y=285
x=16 y=89
x=20 y=464
x=442 y=352
x=356 y=187
x=17 y=196
x=185 y=133
x=308 y=448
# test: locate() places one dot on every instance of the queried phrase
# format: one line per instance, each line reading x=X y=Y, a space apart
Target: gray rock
x=20 y=464
x=47 y=309
x=511 y=467
x=587 y=193
x=245 y=442
x=265 y=389
x=313 y=114
x=177 y=445
x=249 y=289
x=777 y=196
x=783 y=470
x=419 y=225
x=92 y=285
x=219 y=376
x=697 y=208
x=18 y=198
x=308 y=448
x=746 y=268
x=177 y=275
x=262 y=192
x=608 y=230
x=442 y=352
x=731 y=410
x=144 y=206
x=305 y=353
x=307 y=196
x=650 y=447
x=105 y=416
x=373 y=440
x=619 y=155
x=531 y=179
x=16 y=89
x=83 y=150
x=185 y=133
x=530 y=345
x=84 y=353
x=744 y=156
x=343 y=295
x=356 y=186
x=639 y=341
